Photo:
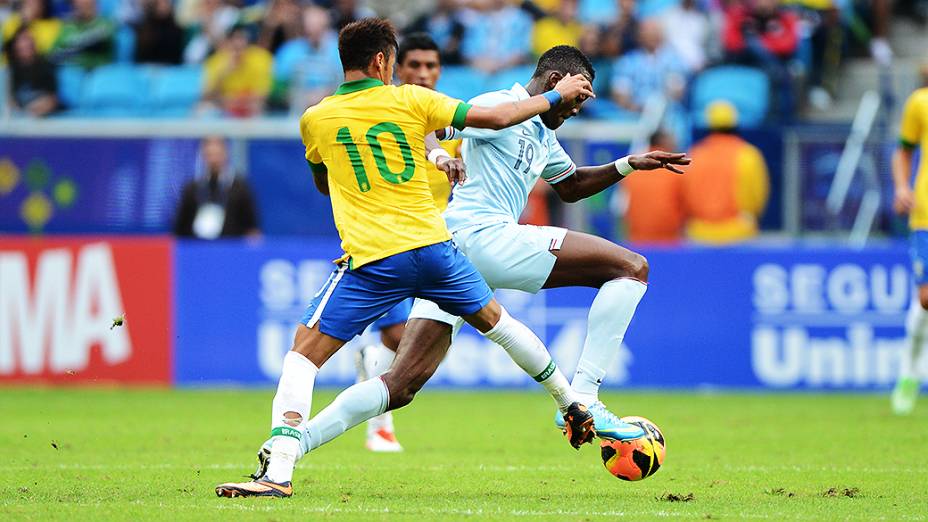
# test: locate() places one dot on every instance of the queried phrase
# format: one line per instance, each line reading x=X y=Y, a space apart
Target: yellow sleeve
x=753 y=184
x=436 y=110
x=910 y=130
x=313 y=156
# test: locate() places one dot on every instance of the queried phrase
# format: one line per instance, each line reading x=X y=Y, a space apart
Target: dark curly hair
x=360 y=41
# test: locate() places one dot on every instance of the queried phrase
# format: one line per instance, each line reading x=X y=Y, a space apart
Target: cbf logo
x=829 y=326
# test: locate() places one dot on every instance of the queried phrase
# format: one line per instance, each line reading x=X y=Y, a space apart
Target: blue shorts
x=397 y=315
x=352 y=299
x=920 y=256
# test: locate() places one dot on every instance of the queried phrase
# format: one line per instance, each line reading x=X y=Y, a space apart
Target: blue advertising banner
x=783 y=317
x=78 y=185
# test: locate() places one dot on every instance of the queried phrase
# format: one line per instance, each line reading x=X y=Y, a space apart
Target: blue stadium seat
x=505 y=78
x=176 y=90
x=116 y=90
x=461 y=82
x=746 y=88
x=70 y=85
x=125 y=44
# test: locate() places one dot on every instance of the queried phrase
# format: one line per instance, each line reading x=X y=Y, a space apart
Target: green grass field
x=82 y=454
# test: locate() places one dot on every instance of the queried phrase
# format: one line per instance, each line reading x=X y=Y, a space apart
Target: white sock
x=609 y=317
x=377 y=360
x=527 y=350
x=353 y=406
x=294 y=394
x=916 y=328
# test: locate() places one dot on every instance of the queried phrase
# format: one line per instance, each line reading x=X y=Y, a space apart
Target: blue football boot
x=606 y=424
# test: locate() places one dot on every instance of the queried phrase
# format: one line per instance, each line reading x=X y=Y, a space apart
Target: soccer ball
x=635 y=459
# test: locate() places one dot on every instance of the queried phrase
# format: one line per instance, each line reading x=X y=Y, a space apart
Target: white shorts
x=507 y=255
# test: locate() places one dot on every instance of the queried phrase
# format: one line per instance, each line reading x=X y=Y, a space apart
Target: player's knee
x=403 y=390
x=634 y=266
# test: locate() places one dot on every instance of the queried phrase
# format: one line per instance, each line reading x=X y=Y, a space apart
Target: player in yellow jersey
x=418 y=62
x=366 y=147
x=913 y=132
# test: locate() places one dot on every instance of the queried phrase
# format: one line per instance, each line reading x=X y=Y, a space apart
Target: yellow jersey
x=912 y=133
x=371 y=138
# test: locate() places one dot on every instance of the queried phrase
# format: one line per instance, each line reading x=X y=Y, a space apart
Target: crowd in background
x=274 y=55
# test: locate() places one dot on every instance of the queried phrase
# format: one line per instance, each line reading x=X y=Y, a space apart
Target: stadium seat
x=116 y=90
x=461 y=82
x=176 y=90
x=746 y=88
x=70 y=85
x=125 y=44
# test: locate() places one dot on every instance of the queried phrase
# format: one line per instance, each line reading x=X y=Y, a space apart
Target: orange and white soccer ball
x=635 y=459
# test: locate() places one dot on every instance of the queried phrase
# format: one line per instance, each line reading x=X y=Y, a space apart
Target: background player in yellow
x=366 y=147
x=418 y=62
x=913 y=132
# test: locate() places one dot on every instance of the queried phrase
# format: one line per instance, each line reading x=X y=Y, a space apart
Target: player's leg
x=374 y=360
x=346 y=305
x=621 y=276
x=459 y=289
x=523 y=257
x=905 y=393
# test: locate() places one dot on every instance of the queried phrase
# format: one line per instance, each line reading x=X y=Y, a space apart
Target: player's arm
x=587 y=181
x=320 y=177
x=452 y=167
x=568 y=90
x=909 y=131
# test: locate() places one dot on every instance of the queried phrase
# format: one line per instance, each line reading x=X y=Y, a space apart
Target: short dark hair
x=360 y=41
x=565 y=59
x=416 y=42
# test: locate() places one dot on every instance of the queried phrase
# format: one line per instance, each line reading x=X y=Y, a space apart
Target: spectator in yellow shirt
x=560 y=29
x=36 y=15
x=238 y=76
x=727 y=186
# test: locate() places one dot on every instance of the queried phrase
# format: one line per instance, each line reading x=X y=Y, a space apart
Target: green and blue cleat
x=904 y=395
x=606 y=424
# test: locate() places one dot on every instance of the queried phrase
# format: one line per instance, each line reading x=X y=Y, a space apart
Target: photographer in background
x=219 y=203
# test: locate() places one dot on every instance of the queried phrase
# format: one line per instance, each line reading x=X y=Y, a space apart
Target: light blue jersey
x=503 y=166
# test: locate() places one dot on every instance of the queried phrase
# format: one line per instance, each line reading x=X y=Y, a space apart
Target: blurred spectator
x=653 y=69
x=309 y=68
x=560 y=29
x=726 y=188
x=822 y=19
x=215 y=19
x=764 y=34
x=621 y=34
x=346 y=11
x=86 y=38
x=687 y=30
x=36 y=16
x=238 y=76
x=158 y=38
x=219 y=203
x=654 y=207
x=33 y=85
x=444 y=25
x=497 y=37
x=600 y=12
x=281 y=23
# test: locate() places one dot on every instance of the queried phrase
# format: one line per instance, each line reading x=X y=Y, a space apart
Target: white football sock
x=527 y=350
x=609 y=317
x=294 y=394
x=377 y=360
x=916 y=328
x=353 y=406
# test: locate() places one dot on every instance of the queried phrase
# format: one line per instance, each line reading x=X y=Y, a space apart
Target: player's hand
x=903 y=200
x=659 y=159
x=573 y=87
x=453 y=168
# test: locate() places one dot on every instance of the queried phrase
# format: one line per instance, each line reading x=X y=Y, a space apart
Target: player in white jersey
x=502 y=168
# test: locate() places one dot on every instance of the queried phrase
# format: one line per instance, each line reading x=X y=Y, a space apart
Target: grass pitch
x=82 y=454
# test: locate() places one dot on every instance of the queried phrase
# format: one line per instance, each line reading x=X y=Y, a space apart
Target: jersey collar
x=357 y=85
x=520 y=91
